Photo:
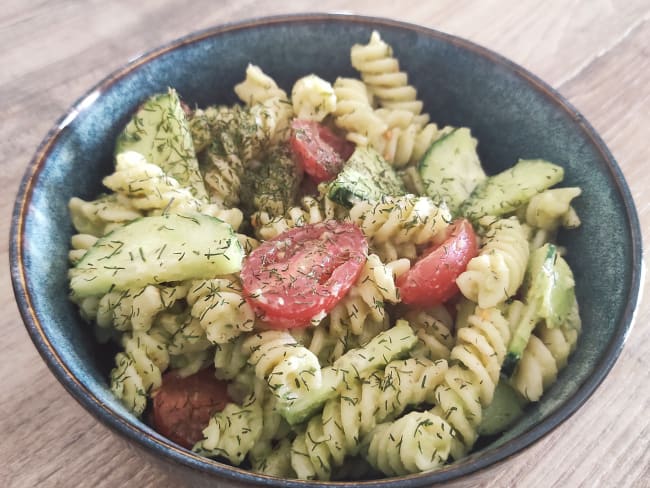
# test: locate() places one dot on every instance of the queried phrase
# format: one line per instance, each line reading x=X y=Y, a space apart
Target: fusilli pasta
x=498 y=271
x=395 y=226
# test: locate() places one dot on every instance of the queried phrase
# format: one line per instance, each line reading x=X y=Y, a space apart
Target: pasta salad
x=324 y=284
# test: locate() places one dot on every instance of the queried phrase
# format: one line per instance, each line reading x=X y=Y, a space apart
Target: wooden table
x=596 y=53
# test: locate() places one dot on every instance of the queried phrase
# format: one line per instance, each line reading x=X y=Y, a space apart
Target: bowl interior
x=512 y=114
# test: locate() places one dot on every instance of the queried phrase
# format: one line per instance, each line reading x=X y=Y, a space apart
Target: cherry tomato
x=303 y=272
x=432 y=279
x=182 y=407
x=318 y=150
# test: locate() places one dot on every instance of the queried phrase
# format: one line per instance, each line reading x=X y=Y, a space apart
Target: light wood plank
x=595 y=53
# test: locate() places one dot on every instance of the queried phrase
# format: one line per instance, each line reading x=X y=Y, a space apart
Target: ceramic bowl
x=511 y=112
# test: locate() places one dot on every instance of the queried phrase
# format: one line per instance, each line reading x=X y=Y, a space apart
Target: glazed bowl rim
x=161 y=446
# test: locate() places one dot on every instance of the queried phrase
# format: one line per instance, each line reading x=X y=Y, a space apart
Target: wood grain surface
x=595 y=52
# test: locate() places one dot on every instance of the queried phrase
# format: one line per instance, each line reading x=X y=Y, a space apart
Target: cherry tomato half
x=182 y=407
x=432 y=279
x=303 y=272
x=318 y=150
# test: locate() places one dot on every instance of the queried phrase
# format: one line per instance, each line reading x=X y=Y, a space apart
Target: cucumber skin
x=451 y=169
x=160 y=131
x=158 y=249
x=366 y=176
x=506 y=408
x=388 y=345
x=505 y=192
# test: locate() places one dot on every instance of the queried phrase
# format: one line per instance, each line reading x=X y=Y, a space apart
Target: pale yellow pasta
x=80 y=243
x=219 y=306
x=233 y=432
x=139 y=368
x=364 y=402
x=230 y=358
x=498 y=271
x=552 y=208
x=405 y=141
x=313 y=98
x=99 y=217
x=136 y=309
x=470 y=382
x=396 y=226
x=381 y=73
x=289 y=368
x=271 y=104
x=546 y=353
x=361 y=314
x=189 y=350
x=268 y=226
x=433 y=328
x=355 y=114
x=416 y=442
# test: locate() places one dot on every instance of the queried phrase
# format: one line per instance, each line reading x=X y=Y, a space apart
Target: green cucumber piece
x=377 y=353
x=549 y=290
x=506 y=408
x=159 y=130
x=451 y=169
x=505 y=192
x=365 y=176
x=157 y=249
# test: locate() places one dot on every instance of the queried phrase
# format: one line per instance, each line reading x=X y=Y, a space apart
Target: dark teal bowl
x=511 y=112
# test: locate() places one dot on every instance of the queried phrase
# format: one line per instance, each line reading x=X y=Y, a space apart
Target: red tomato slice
x=318 y=150
x=303 y=272
x=182 y=407
x=432 y=279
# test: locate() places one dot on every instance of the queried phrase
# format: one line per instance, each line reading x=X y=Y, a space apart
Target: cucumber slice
x=157 y=249
x=549 y=288
x=506 y=408
x=160 y=132
x=505 y=192
x=366 y=176
x=451 y=169
x=383 y=348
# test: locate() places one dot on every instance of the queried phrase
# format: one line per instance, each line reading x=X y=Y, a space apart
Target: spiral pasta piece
x=246 y=429
x=139 y=368
x=416 y=442
x=362 y=404
x=395 y=226
x=381 y=73
x=312 y=98
x=288 y=368
x=230 y=359
x=136 y=309
x=146 y=185
x=220 y=308
x=433 y=330
x=189 y=349
x=361 y=314
x=498 y=271
x=470 y=382
x=99 y=217
x=405 y=141
x=233 y=432
x=552 y=209
x=355 y=114
x=269 y=102
x=79 y=244
x=546 y=353
x=268 y=226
